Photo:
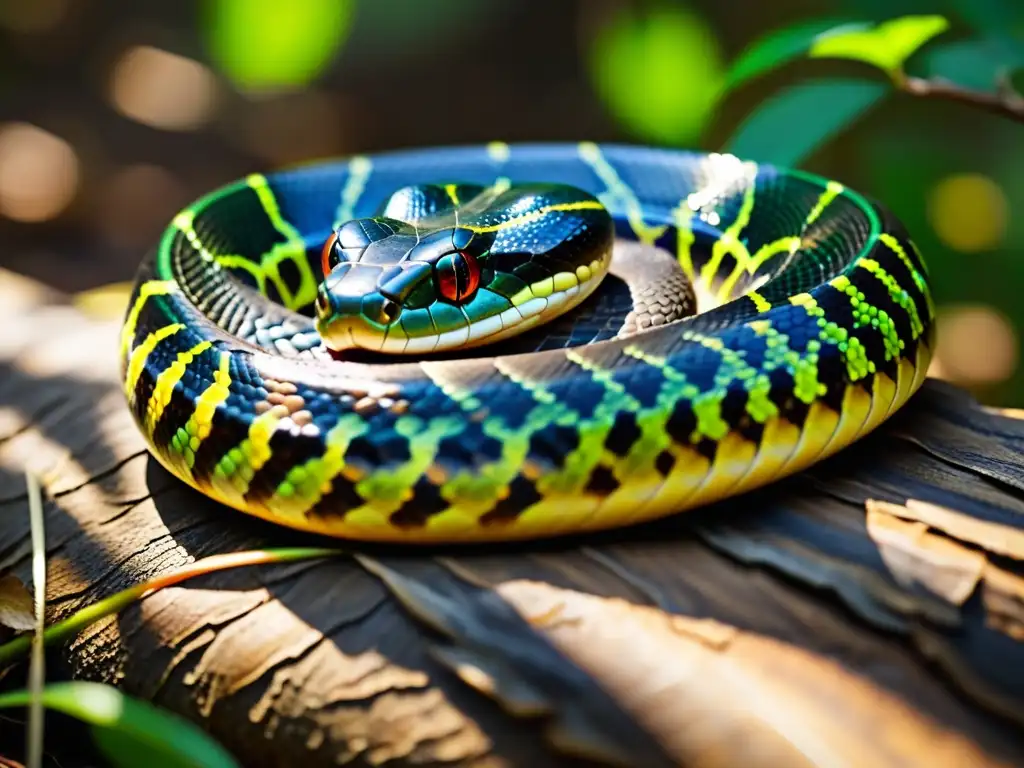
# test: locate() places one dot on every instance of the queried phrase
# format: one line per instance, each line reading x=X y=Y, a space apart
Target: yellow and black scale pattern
x=817 y=325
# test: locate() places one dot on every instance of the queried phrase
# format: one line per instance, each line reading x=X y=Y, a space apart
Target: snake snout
x=352 y=311
x=381 y=309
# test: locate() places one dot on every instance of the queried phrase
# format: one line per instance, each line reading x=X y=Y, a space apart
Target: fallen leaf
x=996 y=538
x=15 y=604
x=916 y=556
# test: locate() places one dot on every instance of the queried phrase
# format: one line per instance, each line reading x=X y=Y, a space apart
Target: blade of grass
x=37 y=664
x=128 y=731
x=72 y=625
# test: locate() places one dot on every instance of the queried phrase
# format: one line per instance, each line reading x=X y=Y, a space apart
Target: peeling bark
x=867 y=612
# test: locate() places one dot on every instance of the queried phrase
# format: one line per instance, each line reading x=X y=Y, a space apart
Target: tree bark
x=867 y=612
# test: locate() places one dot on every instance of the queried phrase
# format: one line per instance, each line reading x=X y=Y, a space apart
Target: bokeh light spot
x=270 y=45
x=38 y=173
x=107 y=302
x=977 y=345
x=660 y=74
x=162 y=89
x=968 y=212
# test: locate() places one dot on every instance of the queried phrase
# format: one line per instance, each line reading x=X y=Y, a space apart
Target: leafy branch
x=793 y=123
x=1006 y=102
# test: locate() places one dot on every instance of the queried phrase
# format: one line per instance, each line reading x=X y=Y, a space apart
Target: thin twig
x=1006 y=103
x=15 y=649
x=37 y=663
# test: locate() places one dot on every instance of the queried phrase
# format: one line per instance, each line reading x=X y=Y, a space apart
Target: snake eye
x=458 y=276
x=329 y=257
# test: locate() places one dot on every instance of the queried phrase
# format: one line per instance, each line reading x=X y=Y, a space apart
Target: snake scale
x=815 y=324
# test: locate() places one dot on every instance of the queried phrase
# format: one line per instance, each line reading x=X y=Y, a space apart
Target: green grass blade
x=128 y=731
x=72 y=625
x=37 y=663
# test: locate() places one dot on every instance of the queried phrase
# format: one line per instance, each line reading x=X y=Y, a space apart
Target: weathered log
x=867 y=612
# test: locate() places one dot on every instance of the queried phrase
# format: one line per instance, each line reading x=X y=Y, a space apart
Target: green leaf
x=267 y=45
x=128 y=731
x=784 y=45
x=792 y=124
x=974 y=64
x=887 y=46
x=659 y=73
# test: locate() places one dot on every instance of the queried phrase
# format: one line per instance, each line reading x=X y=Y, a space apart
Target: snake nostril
x=389 y=311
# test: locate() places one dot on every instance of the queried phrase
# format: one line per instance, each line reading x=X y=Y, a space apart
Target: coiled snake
x=815 y=324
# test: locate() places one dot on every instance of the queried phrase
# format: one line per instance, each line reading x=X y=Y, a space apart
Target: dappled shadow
x=795 y=562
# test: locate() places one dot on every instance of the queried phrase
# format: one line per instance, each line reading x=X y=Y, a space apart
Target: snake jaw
x=341 y=333
x=365 y=322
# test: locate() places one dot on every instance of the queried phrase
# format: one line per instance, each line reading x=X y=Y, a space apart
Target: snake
x=416 y=346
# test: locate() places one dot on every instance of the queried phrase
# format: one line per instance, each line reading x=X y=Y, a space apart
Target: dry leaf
x=1000 y=539
x=16 y=610
x=915 y=556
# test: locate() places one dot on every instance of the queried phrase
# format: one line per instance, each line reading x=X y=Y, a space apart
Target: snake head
x=387 y=289
x=447 y=267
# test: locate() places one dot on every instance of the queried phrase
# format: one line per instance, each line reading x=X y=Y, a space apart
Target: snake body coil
x=816 y=324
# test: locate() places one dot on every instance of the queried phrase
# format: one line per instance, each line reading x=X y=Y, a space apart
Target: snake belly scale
x=815 y=325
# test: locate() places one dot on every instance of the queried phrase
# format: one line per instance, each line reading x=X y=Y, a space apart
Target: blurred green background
x=114 y=114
